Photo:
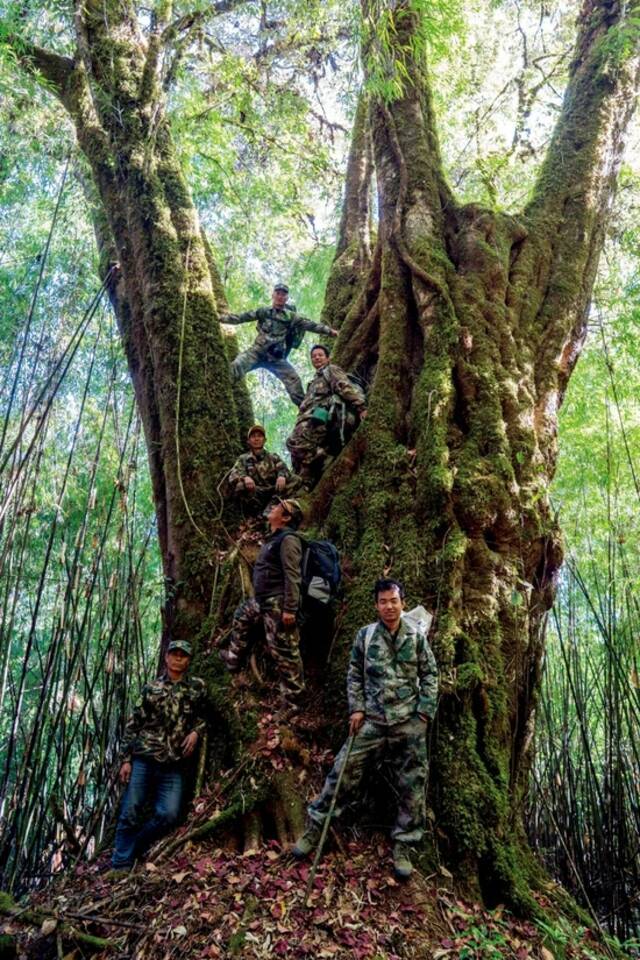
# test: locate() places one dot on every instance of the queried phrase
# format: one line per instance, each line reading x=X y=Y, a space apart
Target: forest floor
x=201 y=900
x=208 y=902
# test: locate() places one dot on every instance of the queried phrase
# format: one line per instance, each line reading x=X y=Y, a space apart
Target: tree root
x=206 y=829
x=252 y=832
x=64 y=930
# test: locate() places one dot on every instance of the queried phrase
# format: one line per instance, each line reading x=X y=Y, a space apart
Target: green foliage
x=620 y=42
x=587 y=740
x=392 y=54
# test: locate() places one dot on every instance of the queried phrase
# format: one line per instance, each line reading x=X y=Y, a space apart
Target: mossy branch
x=9 y=908
x=43 y=64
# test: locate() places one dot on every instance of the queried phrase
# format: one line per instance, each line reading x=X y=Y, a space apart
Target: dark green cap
x=183 y=645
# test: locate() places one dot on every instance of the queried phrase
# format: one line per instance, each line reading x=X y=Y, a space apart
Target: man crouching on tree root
x=258 y=476
x=277 y=577
x=392 y=683
x=162 y=732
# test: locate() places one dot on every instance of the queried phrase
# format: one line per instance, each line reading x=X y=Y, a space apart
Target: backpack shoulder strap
x=368 y=637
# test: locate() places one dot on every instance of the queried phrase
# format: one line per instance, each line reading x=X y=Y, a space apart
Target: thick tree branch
x=572 y=198
x=197 y=18
x=43 y=64
x=355 y=222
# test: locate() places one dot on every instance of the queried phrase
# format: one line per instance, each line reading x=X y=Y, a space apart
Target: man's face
x=279 y=298
x=277 y=515
x=256 y=441
x=177 y=661
x=319 y=359
x=390 y=605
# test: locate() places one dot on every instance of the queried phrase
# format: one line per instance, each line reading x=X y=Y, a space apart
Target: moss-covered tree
x=468 y=323
x=161 y=279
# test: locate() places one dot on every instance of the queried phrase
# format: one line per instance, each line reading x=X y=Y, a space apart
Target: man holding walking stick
x=392 y=684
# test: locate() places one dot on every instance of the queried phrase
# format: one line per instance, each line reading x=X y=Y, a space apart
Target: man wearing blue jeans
x=162 y=732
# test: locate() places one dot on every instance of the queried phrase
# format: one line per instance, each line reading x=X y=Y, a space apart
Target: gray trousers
x=255 y=358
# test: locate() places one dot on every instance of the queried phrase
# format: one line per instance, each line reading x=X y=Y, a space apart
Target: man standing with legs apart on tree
x=162 y=732
x=277 y=577
x=280 y=329
x=392 y=684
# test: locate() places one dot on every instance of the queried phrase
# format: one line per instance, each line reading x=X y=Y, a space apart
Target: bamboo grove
x=77 y=570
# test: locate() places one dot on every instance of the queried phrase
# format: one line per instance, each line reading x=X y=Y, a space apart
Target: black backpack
x=321 y=572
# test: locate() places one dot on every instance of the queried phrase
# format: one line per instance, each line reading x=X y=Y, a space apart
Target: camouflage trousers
x=255 y=358
x=254 y=502
x=406 y=747
x=283 y=643
x=307 y=439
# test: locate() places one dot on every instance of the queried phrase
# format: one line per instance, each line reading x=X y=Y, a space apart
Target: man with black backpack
x=277 y=581
x=333 y=406
x=280 y=330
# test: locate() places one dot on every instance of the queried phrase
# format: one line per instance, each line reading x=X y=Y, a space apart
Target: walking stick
x=327 y=822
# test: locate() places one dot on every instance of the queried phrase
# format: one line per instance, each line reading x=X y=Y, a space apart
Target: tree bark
x=352 y=259
x=480 y=320
x=164 y=288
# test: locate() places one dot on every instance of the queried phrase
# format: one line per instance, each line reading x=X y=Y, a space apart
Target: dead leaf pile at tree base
x=208 y=903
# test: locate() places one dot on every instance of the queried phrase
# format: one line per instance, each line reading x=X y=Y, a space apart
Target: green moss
x=8 y=947
x=7 y=903
x=469 y=675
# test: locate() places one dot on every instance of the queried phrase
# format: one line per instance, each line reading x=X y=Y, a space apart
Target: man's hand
x=363 y=414
x=249 y=484
x=334 y=333
x=288 y=619
x=189 y=743
x=281 y=483
x=355 y=722
x=125 y=772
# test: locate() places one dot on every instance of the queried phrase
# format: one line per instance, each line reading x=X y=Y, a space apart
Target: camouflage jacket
x=273 y=326
x=395 y=677
x=264 y=468
x=330 y=382
x=163 y=717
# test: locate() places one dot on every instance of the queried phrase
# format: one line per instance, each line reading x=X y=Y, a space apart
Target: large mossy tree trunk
x=162 y=283
x=470 y=326
x=469 y=323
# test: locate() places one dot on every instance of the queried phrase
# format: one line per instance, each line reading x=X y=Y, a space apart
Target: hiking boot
x=116 y=873
x=307 y=842
x=230 y=661
x=402 y=866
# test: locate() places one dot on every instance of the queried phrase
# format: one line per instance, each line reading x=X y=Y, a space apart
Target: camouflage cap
x=183 y=645
x=292 y=507
x=281 y=286
x=256 y=428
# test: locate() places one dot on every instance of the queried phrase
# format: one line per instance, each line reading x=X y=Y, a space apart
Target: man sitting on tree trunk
x=162 y=732
x=280 y=329
x=392 y=682
x=277 y=576
x=257 y=476
x=316 y=435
